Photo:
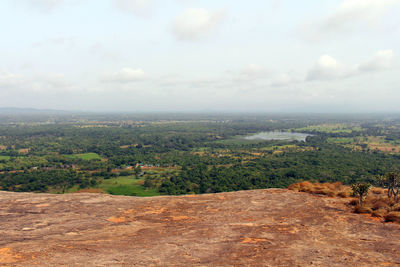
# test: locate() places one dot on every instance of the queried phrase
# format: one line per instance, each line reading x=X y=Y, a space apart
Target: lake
x=278 y=136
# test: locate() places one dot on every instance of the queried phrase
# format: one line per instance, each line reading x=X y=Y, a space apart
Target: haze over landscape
x=188 y=55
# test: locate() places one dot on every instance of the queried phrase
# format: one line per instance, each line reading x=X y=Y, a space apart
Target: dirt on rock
x=272 y=227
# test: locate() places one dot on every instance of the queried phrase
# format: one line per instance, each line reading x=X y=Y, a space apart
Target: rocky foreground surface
x=249 y=228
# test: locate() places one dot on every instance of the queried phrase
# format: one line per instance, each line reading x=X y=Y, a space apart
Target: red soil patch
x=8 y=257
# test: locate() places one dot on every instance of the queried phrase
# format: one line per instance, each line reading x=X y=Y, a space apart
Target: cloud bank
x=328 y=68
x=125 y=75
x=382 y=60
x=351 y=16
x=196 y=23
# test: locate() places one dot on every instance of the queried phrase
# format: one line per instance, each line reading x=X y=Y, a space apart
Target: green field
x=330 y=128
x=127 y=186
x=85 y=156
x=5 y=157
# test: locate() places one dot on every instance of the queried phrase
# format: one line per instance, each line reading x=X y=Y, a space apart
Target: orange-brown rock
x=249 y=228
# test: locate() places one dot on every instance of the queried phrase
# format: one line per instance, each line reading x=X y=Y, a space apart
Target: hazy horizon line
x=198 y=111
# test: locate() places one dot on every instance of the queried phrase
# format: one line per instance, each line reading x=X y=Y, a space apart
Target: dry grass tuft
x=334 y=186
x=377 y=191
x=362 y=209
x=393 y=216
x=327 y=189
x=328 y=192
x=294 y=187
x=379 y=205
x=343 y=194
x=306 y=187
x=395 y=207
x=380 y=213
x=376 y=203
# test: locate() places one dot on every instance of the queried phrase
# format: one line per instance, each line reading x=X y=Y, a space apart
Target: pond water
x=278 y=136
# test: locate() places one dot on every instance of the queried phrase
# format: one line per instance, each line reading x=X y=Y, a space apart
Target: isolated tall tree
x=360 y=190
x=391 y=181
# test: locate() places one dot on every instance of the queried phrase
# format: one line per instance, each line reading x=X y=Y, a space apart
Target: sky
x=206 y=56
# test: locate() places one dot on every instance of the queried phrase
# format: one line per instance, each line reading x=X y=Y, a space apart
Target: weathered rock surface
x=249 y=228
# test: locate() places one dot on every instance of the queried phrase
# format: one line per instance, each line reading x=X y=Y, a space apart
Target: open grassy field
x=85 y=156
x=127 y=186
x=378 y=143
x=330 y=128
x=5 y=157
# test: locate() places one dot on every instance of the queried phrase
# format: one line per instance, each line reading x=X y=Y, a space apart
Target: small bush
x=360 y=190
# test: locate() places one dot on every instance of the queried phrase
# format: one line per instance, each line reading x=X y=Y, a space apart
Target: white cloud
x=8 y=79
x=382 y=60
x=282 y=79
x=138 y=7
x=352 y=15
x=328 y=68
x=125 y=75
x=196 y=23
x=351 y=11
